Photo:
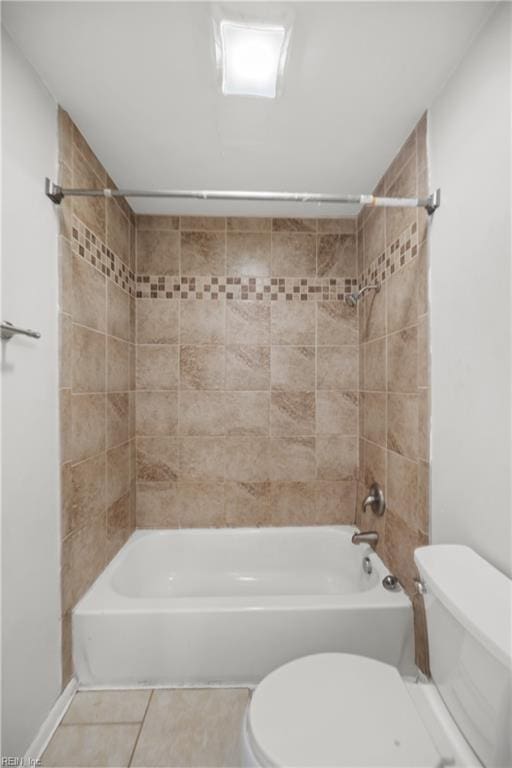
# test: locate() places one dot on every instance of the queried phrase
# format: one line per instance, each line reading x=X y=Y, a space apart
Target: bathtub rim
x=102 y=598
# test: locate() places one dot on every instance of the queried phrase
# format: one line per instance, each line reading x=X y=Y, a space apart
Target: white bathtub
x=226 y=606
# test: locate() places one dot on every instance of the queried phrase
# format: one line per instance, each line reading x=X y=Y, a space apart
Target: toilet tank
x=468 y=606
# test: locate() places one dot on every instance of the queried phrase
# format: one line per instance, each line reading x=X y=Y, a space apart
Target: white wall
x=469 y=138
x=30 y=478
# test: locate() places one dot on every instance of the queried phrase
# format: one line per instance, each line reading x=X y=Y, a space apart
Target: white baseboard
x=49 y=726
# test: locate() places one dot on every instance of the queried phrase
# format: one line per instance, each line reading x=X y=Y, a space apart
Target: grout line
x=141 y=727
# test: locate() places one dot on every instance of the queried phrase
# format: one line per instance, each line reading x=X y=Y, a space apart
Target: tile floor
x=165 y=727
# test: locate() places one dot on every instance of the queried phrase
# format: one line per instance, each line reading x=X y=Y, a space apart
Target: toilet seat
x=337 y=709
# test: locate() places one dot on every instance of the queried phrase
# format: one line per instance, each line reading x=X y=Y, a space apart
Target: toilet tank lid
x=477 y=594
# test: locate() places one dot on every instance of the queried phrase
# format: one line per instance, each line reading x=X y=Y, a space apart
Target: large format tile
x=248 y=254
x=158 y=252
x=85 y=746
x=185 y=728
x=89 y=707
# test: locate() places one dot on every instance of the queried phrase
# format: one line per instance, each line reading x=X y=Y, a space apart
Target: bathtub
x=226 y=606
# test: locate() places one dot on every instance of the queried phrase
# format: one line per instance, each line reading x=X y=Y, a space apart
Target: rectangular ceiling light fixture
x=253 y=58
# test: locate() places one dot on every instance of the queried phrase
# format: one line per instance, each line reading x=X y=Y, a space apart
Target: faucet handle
x=375 y=500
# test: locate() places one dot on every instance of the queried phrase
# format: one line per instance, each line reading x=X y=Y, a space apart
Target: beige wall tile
x=247 y=459
x=201 y=505
x=246 y=413
x=423 y=278
x=118 y=472
x=65 y=350
x=65 y=276
x=247 y=367
x=157 y=459
x=66 y=647
x=89 y=295
x=81 y=145
x=336 y=323
x=88 y=490
x=87 y=556
x=401 y=541
x=158 y=252
x=335 y=502
x=406 y=154
x=248 y=224
x=338 y=368
x=90 y=210
x=157 y=505
x=293 y=255
x=202 y=413
x=88 y=425
x=374 y=465
x=118 y=418
x=403 y=360
x=203 y=253
x=293 y=323
x=157 y=366
x=88 y=360
x=374 y=235
x=202 y=367
x=66 y=498
x=202 y=322
x=65 y=133
x=119 y=525
x=292 y=459
x=336 y=413
x=117 y=231
x=248 y=254
x=346 y=226
x=402 y=297
x=402 y=486
x=247 y=504
x=403 y=424
x=375 y=365
x=336 y=256
x=118 y=312
x=293 y=368
x=422 y=508
x=294 y=225
x=373 y=314
x=424 y=424
x=203 y=223
x=337 y=457
x=405 y=185
x=65 y=425
x=247 y=322
x=202 y=459
x=423 y=352
x=292 y=413
x=374 y=413
x=156 y=413
x=292 y=503
x=118 y=365
x=157 y=321
x=145 y=221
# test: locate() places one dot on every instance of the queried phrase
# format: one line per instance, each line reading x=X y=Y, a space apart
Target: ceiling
x=140 y=80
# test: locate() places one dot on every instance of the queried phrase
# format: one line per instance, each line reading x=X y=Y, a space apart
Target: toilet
x=337 y=709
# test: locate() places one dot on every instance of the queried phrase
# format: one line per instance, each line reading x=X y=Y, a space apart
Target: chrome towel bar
x=8 y=330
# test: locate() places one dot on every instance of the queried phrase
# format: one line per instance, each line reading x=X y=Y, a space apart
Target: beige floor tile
x=94 y=707
x=188 y=728
x=85 y=746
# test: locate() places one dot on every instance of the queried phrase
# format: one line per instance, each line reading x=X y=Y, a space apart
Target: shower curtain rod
x=57 y=193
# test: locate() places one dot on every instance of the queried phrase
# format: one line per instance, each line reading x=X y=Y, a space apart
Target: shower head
x=353 y=298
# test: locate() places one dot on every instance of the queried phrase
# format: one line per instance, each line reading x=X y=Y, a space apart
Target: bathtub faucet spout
x=366 y=537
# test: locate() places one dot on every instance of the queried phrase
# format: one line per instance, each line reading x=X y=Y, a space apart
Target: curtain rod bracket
x=53 y=191
x=434 y=201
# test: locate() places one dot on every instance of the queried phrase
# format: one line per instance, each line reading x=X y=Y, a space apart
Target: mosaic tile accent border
x=400 y=252
x=264 y=289
x=90 y=247
x=87 y=245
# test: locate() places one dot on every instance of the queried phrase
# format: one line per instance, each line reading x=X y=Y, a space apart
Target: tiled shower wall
x=394 y=372
x=247 y=371
x=97 y=356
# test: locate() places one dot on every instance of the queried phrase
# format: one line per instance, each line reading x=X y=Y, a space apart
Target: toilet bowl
x=337 y=709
